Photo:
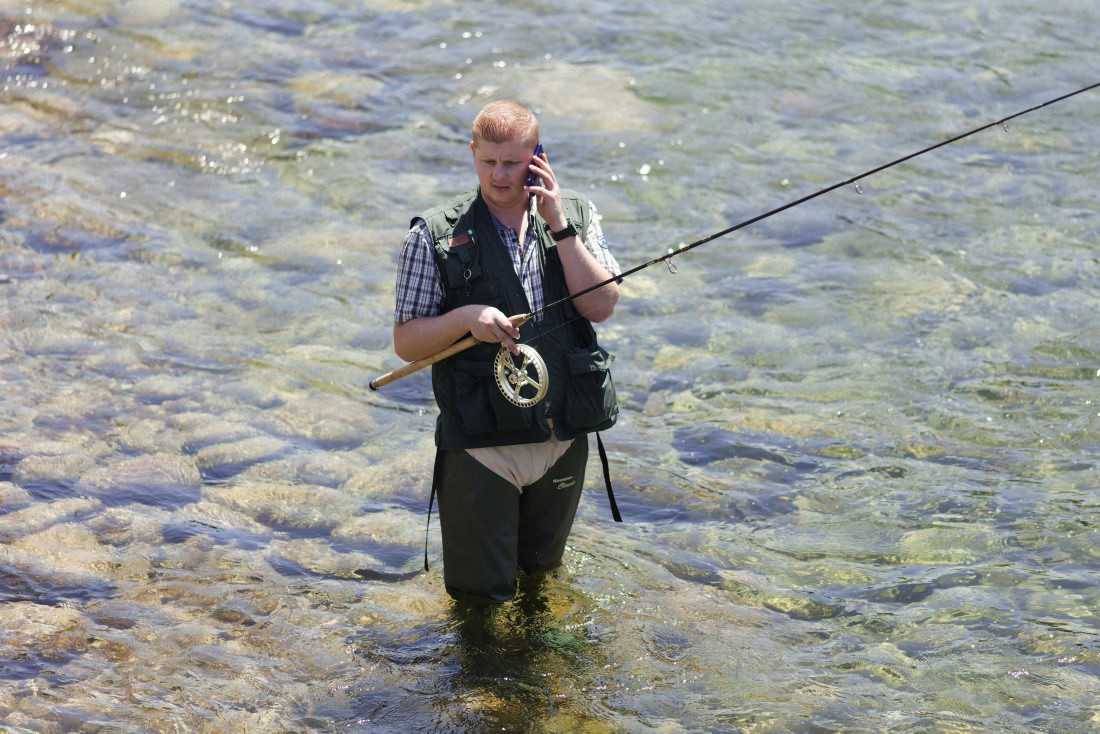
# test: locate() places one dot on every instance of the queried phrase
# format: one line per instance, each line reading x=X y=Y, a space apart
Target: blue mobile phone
x=531 y=177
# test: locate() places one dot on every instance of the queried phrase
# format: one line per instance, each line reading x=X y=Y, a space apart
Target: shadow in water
x=525 y=665
x=52 y=589
x=519 y=663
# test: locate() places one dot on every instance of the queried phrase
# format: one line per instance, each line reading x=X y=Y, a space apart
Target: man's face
x=502 y=171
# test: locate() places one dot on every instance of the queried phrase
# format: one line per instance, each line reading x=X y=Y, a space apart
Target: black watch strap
x=561 y=234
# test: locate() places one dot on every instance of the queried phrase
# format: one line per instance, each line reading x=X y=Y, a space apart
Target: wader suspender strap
x=607 y=479
x=431 y=500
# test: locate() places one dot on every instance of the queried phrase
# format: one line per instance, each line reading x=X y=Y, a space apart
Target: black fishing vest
x=476 y=269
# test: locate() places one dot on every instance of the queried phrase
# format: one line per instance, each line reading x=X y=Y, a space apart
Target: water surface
x=859 y=443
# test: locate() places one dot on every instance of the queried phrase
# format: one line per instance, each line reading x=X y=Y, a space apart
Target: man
x=508 y=478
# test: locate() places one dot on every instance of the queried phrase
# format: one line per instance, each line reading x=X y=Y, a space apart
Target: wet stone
x=117 y=361
x=283 y=505
x=149 y=436
x=162 y=388
x=112 y=527
x=391 y=526
x=163 y=479
x=316 y=557
x=42 y=515
x=57 y=342
x=407 y=475
x=608 y=105
x=115 y=614
x=12 y=497
x=200 y=430
x=328 y=468
x=329 y=420
x=947 y=546
x=76 y=407
x=73 y=548
x=58 y=470
x=232 y=616
x=115 y=651
x=222 y=519
x=342 y=88
x=260 y=395
x=222 y=460
x=41 y=632
x=26 y=576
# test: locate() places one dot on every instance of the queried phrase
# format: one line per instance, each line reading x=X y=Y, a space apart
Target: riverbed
x=859 y=443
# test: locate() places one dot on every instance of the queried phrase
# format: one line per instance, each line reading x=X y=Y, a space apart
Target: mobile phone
x=532 y=179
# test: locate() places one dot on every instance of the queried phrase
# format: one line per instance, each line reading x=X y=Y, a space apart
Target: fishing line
x=667 y=257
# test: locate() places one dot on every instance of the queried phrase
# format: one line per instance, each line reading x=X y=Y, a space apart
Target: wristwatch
x=561 y=234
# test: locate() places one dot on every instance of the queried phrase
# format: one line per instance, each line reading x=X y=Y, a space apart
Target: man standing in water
x=509 y=478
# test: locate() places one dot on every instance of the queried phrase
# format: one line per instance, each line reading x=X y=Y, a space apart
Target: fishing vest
x=476 y=268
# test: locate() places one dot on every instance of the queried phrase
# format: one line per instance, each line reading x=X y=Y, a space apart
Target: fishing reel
x=522 y=379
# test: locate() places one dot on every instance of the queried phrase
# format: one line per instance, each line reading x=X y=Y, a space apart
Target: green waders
x=489 y=528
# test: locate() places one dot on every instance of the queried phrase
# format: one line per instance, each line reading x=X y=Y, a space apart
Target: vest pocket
x=481 y=405
x=589 y=394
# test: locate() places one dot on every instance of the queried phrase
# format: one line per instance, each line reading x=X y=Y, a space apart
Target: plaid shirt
x=420 y=289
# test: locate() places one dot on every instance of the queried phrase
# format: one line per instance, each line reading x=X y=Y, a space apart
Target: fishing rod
x=513 y=378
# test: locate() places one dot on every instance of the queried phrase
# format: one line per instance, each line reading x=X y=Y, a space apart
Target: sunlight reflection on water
x=858 y=441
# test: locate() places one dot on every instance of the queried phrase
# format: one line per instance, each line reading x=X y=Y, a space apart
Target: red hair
x=505 y=120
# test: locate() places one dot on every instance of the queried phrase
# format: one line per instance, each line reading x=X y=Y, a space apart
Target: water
x=858 y=451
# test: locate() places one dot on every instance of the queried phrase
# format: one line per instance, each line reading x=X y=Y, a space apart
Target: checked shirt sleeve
x=419 y=288
x=597 y=245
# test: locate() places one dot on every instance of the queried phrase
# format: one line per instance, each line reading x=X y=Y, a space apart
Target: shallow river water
x=860 y=442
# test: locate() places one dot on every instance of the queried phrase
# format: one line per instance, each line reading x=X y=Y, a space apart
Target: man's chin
x=503 y=200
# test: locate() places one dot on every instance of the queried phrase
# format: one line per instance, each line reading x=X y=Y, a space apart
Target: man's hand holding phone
x=548 y=199
x=532 y=177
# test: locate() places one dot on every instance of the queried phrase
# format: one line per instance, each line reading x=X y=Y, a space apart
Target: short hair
x=505 y=120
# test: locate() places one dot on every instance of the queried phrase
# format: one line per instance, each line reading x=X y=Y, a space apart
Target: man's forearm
x=581 y=272
x=419 y=338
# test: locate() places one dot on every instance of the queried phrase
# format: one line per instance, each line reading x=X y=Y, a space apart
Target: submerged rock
x=29 y=576
x=162 y=388
x=52 y=469
x=406 y=474
x=41 y=515
x=71 y=547
x=165 y=480
x=316 y=557
x=328 y=468
x=331 y=421
x=391 y=526
x=222 y=460
x=200 y=430
x=41 y=634
x=12 y=496
x=285 y=505
x=149 y=436
x=946 y=545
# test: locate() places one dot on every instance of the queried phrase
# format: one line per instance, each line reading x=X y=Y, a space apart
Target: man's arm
x=582 y=270
x=419 y=330
x=419 y=338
